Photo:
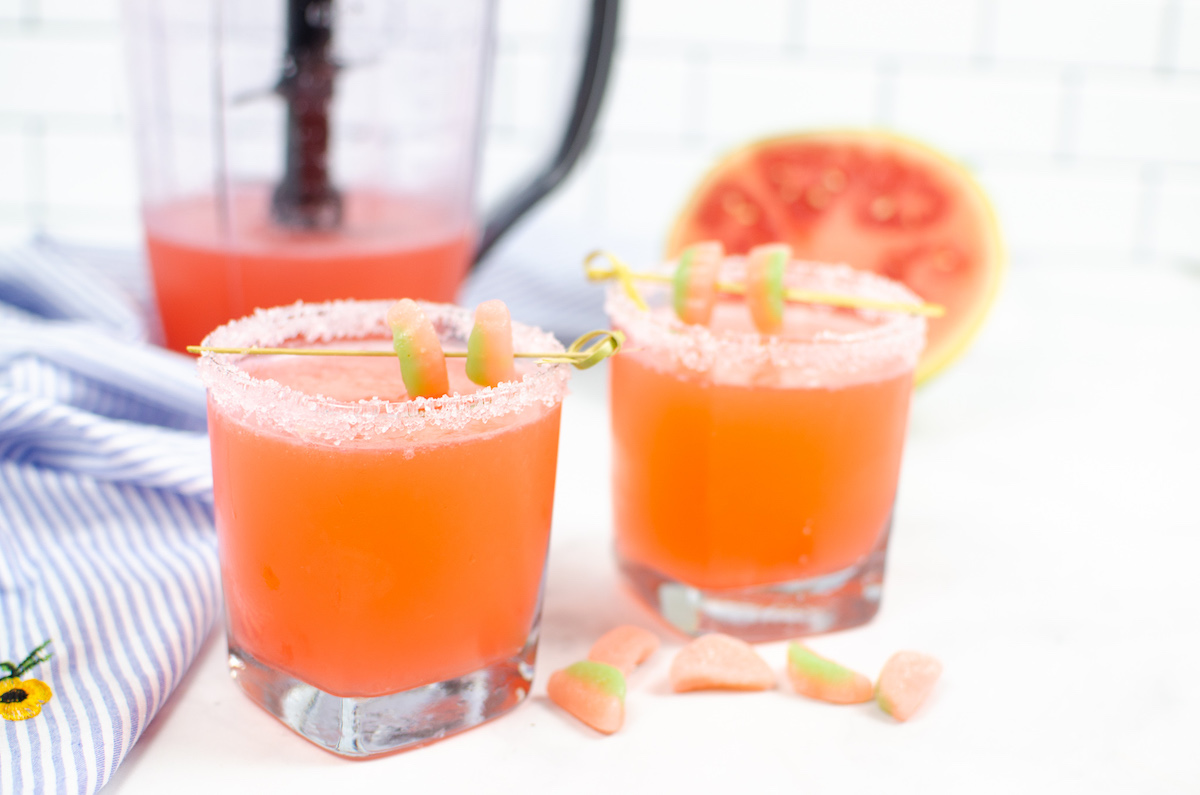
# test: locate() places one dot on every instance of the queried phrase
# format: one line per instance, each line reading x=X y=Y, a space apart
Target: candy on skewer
x=619 y=270
x=695 y=282
x=490 y=346
x=579 y=354
x=422 y=361
x=765 y=267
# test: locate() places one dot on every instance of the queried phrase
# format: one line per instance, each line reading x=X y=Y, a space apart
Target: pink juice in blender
x=206 y=272
x=317 y=150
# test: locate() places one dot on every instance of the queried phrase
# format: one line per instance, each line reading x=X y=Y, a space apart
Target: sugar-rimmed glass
x=754 y=475
x=382 y=558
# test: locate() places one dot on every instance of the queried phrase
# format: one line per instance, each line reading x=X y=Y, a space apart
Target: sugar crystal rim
x=897 y=339
x=267 y=403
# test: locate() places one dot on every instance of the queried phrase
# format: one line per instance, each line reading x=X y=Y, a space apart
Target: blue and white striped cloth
x=106 y=541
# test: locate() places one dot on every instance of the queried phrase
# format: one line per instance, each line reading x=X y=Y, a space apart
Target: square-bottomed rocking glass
x=755 y=474
x=382 y=557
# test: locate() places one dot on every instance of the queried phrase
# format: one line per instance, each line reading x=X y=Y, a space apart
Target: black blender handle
x=592 y=82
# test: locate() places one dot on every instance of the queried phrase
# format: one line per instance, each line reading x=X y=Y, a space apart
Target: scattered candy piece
x=490 y=346
x=905 y=681
x=592 y=691
x=719 y=662
x=696 y=282
x=765 y=266
x=816 y=677
x=422 y=361
x=625 y=647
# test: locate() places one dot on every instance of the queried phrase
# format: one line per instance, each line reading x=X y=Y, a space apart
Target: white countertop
x=1045 y=549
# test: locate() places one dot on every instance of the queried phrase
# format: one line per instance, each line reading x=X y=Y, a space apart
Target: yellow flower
x=22 y=698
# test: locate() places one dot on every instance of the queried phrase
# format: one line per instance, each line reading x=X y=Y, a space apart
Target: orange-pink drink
x=758 y=472
x=213 y=261
x=373 y=545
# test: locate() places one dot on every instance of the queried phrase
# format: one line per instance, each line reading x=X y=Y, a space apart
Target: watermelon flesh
x=872 y=200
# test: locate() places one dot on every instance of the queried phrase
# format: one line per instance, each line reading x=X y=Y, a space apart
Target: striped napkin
x=106 y=541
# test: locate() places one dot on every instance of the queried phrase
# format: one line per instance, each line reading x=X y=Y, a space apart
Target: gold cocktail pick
x=587 y=351
x=620 y=271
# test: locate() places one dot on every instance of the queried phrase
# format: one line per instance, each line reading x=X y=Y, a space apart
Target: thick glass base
x=365 y=727
x=778 y=611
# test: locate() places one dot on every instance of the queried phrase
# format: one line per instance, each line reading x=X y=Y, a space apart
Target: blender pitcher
x=321 y=149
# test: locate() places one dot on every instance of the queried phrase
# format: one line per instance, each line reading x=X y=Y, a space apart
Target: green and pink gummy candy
x=695 y=282
x=765 y=269
x=905 y=682
x=817 y=677
x=422 y=360
x=624 y=647
x=720 y=662
x=594 y=692
x=490 y=346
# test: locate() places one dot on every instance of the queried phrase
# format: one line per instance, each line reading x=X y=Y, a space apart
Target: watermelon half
x=870 y=199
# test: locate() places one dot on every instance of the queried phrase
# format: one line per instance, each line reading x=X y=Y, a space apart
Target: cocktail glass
x=754 y=475
x=382 y=558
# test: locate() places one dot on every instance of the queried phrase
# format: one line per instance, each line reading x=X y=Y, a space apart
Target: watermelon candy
x=624 y=647
x=719 y=662
x=422 y=360
x=695 y=282
x=490 y=346
x=825 y=680
x=594 y=692
x=765 y=269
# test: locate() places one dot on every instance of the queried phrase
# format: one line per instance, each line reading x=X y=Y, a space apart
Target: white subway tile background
x=1080 y=117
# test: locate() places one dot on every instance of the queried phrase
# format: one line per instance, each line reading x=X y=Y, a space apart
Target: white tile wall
x=14 y=173
x=101 y=226
x=973 y=113
x=538 y=82
x=918 y=28
x=645 y=187
x=528 y=18
x=1186 y=49
x=1086 y=32
x=502 y=104
x=14 y=229
x=1155 y=117
x=79 y=10
x=65 y=73
x=1176 y=224
x=748 y=98
x=1081 y=117
x=1049 y=209
x=650 y=96
x=88 y=167
x=744 y=24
